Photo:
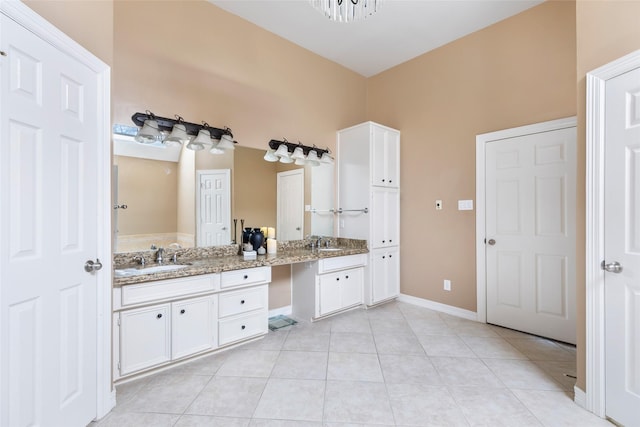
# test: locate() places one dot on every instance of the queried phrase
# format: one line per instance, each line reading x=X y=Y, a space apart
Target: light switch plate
x=465 y=205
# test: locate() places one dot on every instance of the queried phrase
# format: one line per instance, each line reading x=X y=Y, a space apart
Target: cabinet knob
x=337 y=278
x=383 y=241
x=390 y=181
x=159 y=316
x=390 y=240
x=346 y=277
x=390 y=256
x=383 y=257
x=383 y=180
x=242 y=327
x=183 y=311
x=246 y=277
x=241 y=301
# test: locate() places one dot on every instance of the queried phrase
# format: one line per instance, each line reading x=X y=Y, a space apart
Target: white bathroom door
x=530 y=233
x=214 y=207
x=622 y=248
x=50 y=131
x=290 y=209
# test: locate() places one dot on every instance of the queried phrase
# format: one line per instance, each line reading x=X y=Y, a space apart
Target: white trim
x=33 y=22
x=443 y=308
x=284 y=311
x=594 y=277
x=481 y=143
x=580 y=397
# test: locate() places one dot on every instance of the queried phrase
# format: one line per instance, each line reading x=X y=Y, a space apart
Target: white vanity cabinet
x=368 y=165
x=243 y=312
x=159 y=322
x=327 y=286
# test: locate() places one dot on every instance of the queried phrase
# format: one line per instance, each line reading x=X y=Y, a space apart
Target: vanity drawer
x=247 y=276
x=172 y=288
x=326 y=265
x=241 y=327
x=243 y=301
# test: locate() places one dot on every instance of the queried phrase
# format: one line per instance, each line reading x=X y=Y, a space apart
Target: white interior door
x=622 y=248
x=214 y=208
x=51 y=130
x=290 y=209
x=530 y=233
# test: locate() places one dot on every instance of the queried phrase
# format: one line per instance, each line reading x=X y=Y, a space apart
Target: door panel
x=622 y=245
x=48 y=156
x=290 y=215
x=530 y=252
x=214 y=208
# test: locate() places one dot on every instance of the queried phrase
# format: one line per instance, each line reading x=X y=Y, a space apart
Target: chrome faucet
x=159 y=255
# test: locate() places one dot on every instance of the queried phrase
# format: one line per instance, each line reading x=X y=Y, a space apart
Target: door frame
x=594 y=395
x=36 y=24
x=481 y=143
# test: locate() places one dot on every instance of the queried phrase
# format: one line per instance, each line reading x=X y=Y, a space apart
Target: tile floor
x=395 y=365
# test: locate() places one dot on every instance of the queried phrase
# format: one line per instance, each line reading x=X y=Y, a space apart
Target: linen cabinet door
x=328 y=293
x=192 y=326
x=145 y=337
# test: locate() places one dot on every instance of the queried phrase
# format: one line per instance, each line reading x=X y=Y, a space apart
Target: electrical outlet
x=438 y=205
x=447 y=285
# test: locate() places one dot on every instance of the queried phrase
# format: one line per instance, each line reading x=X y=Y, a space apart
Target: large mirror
x=163 y=199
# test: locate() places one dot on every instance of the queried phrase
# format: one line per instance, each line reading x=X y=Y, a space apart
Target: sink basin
x=125 y=272
x=329 y=249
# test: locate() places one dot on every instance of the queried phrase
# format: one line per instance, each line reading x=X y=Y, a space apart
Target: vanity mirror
x=166 y=196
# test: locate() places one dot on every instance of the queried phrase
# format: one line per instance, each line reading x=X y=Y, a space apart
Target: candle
x=264 y=231
x=271 y=233
x=272 y=246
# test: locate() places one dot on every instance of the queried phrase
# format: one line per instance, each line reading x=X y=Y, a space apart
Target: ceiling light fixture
x=347 y=10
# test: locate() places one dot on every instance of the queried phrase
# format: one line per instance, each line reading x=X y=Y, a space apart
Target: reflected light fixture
x=150 y=131
x=288 y=152
x=347 y=10
x=270 y=156
x=203 y=139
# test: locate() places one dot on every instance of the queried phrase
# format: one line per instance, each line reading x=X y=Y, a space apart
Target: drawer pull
x=390 y=256
x=241 y=301
x=183 y=311
x=346 y=277
x=246 y=276
x=159 y=316
x=337 y=278
x=242 y=327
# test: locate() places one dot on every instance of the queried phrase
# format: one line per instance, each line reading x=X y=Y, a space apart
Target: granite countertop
x=199 y=261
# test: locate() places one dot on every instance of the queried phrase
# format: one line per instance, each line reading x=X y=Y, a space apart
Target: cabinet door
x=351 y=282
x=385 y=274
x=392 y=158
x=385 y=157
x=328 y=294
x=385 y=217
x=144 y=337
x=192 y=326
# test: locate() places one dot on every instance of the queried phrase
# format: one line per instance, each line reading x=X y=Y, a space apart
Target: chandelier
x=347 y=10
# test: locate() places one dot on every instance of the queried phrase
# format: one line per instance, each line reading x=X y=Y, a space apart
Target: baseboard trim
x=579 y=397
x=284 y=311
x=444 y=308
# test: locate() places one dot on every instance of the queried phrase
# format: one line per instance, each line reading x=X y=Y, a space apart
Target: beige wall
x=148 y=211
x=606 y=30
x=89 y=23
x=516 y=72
x=228 y=72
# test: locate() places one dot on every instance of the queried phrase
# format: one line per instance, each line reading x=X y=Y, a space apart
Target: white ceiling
x=399 y=31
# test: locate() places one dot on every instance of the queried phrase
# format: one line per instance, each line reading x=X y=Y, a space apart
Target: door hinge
x=119 y=366
x=118 y=321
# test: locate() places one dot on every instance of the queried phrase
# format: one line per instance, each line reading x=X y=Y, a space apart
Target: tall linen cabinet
x=368 y=159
